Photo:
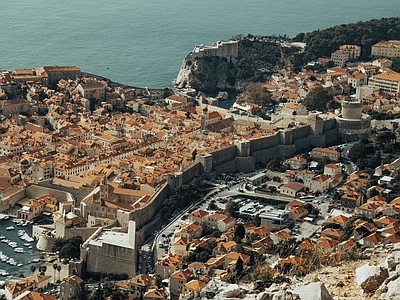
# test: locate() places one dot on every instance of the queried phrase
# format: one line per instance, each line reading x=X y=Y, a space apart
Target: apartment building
x=331 y=154
x=388 y=82
x=390 y=49
x=340 y=58
x=354 y=51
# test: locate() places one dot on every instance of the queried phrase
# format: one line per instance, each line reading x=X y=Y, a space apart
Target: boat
x=19 y=250
x=5 y=273
x=2 y=237
x=12 y=244
x=21 y=232
x=5 y=241
x=19 y=265
x=27 y=244
x=10 y=228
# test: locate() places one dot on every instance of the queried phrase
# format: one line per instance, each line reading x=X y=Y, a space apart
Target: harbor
x=17 y=248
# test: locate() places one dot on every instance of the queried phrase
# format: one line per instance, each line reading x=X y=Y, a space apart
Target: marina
x=18 y=252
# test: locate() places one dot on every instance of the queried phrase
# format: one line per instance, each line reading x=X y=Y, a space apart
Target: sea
x=26 y=258
x=143 y=43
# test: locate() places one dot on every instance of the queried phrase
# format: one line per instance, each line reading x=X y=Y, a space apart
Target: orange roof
x=326 y=150
x=386 y=220
x=339 y=219
x=375 y=238
x=200 y=213
x=195 y=285
x=332 y=232
x=182 y=274
x=295 y=203
x=326 y=242
x=306 y=245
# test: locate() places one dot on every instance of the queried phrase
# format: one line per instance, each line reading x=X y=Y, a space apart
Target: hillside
x=259 y=56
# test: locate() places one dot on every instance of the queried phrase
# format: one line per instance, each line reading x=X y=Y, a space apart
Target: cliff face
x=206 y=74
x=256 y=58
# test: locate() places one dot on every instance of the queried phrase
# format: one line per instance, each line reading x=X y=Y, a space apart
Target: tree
x=238 y=268
x=42 y=270
x=55 y=266
x=81 y=295
x=158 y=281
x=240 y=232
x=396 y=64
x=58 y=270
x=33 y=269
x=231 y=208
x=258 y=94
x=318 y=99
x=68 y=248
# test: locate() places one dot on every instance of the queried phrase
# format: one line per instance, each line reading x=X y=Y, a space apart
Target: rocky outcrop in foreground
x=375 y=277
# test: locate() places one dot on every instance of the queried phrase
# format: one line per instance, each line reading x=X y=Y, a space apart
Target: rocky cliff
x=207 y=74
x=256 y=59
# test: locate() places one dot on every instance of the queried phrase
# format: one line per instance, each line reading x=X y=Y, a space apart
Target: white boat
x=2 y=237
x=27 y=244
x=10 y=228
x=5 y=241
x=12 y=244
x=5 y=273
x=19 y=250
x=35 y=260
x=21 y=232
x=19 y=265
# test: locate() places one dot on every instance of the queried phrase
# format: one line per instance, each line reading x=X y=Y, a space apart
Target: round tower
x=353 y=125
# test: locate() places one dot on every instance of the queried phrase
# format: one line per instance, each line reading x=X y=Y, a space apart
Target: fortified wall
x=245 y=154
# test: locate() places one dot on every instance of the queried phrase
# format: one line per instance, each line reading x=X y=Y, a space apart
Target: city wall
x=33 y=191
x=147 y=218
x=224 y=155
x=9 y=202
x=111 y=259
x=284 y=143
x=84 y=232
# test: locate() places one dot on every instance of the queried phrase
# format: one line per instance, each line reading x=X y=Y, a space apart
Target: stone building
x=352 y=124
x=389 y=49
x=111 y=251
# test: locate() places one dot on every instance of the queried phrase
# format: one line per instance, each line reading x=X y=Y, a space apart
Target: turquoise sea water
x=143 y=43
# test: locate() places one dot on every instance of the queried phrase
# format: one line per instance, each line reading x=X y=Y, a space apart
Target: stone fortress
x=227 y=49
x=352 y=123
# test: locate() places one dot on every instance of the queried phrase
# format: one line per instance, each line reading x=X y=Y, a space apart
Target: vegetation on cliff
x=260 y=55
x=321 y=43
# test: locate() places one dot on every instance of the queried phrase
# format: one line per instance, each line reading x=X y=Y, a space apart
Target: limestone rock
x=231 y=291
x=285 y=295
x=371 y=277
x=206 y=74
x=222 y=96
x=392 y=290
x=263 y=296
x=313 y=291
x=392 y=261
